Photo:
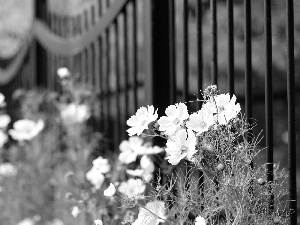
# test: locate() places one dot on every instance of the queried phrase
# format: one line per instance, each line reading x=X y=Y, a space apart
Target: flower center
x=184 y=149
x=176 y=121
x=221 y=108
x=202 y=124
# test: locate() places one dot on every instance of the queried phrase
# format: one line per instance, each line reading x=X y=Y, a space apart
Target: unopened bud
x=148 y=178
x=68 y=195
x=261 y=181
x=69 y=175
x=208 y=147
x=220 y=167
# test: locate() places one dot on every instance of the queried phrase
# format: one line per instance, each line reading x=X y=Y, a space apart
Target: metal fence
x=128 y=51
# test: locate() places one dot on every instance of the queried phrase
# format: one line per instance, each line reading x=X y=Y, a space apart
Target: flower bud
x=220 y=167
x=261 y=181
x=69 y=176
x=68 y=195
x=207 y=147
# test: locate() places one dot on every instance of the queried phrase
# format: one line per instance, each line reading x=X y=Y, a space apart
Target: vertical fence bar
x=185 y=51
x=269 y=96
x=135 y=54
x=93 y=15
x=93 y=60
x=248 y=63
x=157 y=53
x=214 y=61
x=107 y=55
x=199 y=50
x=86 y=20
x=291 y=110
x=41 y=57
x=101 y=91
x=117 y=91
x=172 y=53
x=125 y=37
x=200 y=72
x=230 y=75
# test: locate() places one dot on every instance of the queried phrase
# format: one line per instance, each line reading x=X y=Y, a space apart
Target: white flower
x=149 y=150
x=27 y=221
x=140 y=121
x=4 y=121
x=75 y=113
x=147 y=165
x=25 y=130
x=55 y=222
x=3 y=138
x=135 y=173
x=75 y=211
x=148 y=178
x=98 y=222
x=2 y=100
x=225 y=108
x=8 y=170
x=63 y=72
x=147 y=168
x=102 y=165
x=200 y=221
x=132 y=188
x=176 y=114
x=200 y=121
x=182 y=145
x=154 y=217
x=95 y=177
x=131 y=149
x=110 y=191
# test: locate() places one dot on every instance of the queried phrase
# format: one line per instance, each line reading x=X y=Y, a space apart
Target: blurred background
x=105 y=46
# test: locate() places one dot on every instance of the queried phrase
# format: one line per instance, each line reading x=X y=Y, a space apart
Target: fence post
x=41 y=55
x=157 y=57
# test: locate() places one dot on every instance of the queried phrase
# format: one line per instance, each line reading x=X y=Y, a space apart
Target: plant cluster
x=217 y=183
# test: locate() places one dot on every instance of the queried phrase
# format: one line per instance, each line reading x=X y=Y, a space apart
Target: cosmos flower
x=132 y=188
x=131 y=149
x=95 y=177
x=149 y=150
x=176 y=114
x=75 y=211
x=27 y=221
x=98 y=222
x=224 y=107
x=200 y=121
x=3 y=138
x=140 y=121
x=110 y=191
x=8 y=170
x=4 y=121
x=147 y=218
x=200 y=221
x=2 y=100
x=102 y=165
x=147 y=168
x=74 y=113
x=25 y=130
x=182 y=145
x=63 y=72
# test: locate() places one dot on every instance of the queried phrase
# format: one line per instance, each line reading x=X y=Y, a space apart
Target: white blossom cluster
x=181 y=128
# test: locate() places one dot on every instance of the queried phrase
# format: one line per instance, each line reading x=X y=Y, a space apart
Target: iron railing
x=131 y=53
